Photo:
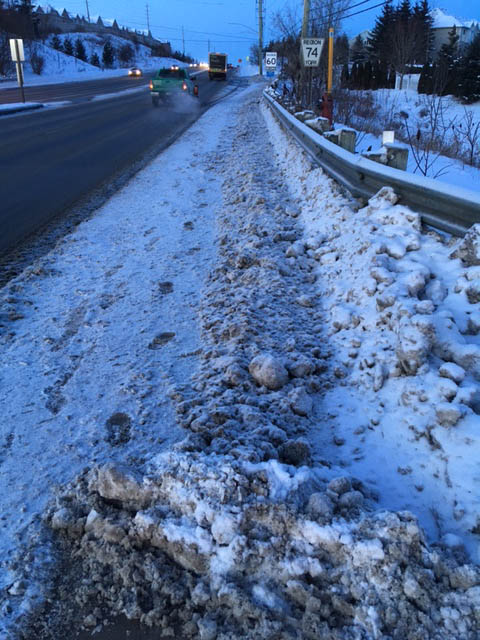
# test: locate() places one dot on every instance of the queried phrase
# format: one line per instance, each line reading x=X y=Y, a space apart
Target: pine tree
x=367 y=75
x=80 y=52
x=108 y=55
x=345 y=77
x=341 y=49
x=358 y=52
x=378 y=44
x=468 y=88
x=446 y=65
x=68 y=46
x=422 y=24
x=57 y=43
x=95 y=60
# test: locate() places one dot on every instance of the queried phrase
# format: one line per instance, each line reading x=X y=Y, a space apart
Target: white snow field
x=322 y=359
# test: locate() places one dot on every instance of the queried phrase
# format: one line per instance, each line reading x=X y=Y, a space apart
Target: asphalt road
x=52 y=158
x=73 y=91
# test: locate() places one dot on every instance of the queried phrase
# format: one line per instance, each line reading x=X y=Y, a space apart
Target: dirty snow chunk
x=115 y=483
x=295 y=250
x=414 y=282
x=268 y=371
x=395 y=248
x=469 y=248
x=448 y=414
x=447 y=389
x=341 y=317
x=339 y=485
x=384 y=198
x=464 y=577
x=380 y=274
x=412 y=349
x=295 y=452
x=305 y=301
x=302 y=367
x=436 y=291
x=301 y=402
x=320 y=506
x=367 y=551
x=452 y=371
x=224 y=528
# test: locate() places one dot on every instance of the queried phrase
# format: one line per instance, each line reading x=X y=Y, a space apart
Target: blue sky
x=228 y=25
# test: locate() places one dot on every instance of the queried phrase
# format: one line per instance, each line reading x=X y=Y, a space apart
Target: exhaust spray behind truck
x=217 y=66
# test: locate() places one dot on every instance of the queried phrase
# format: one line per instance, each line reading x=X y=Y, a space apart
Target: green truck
x=170 y=83
x=217 y=66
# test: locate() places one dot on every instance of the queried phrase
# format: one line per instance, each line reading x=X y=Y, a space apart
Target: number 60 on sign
x=311 y=51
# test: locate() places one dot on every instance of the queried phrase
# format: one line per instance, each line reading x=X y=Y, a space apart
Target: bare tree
x=323 y=15
x=430 y=141
x=404 y=43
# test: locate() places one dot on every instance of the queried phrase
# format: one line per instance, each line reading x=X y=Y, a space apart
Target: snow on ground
x=454 y=123
x=393 y=296
x=60 y=67
x=93 y=335
x=323 y=360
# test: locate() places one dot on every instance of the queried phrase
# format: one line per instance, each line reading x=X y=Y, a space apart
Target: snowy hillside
x=59 y=66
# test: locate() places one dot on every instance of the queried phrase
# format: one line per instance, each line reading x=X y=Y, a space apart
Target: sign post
x=18 y=56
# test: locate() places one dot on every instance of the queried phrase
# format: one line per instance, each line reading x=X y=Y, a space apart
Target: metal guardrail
x=440 y=205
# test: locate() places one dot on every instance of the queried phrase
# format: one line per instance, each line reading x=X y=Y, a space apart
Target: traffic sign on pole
x=311 y=51
x=18 y=56
x=16 y=49
x=271 y=60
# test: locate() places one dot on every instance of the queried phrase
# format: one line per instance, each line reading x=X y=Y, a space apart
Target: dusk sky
x=229 y=25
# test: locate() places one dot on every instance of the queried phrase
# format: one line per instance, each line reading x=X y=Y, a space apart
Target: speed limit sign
x=271 y=60
x=311 y=51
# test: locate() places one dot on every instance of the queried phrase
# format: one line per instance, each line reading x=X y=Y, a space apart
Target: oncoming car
x=171 y=82
x=135 y=72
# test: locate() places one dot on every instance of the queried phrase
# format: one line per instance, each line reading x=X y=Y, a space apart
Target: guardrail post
x=320 y=125
x=397 y=156
x=345 y=138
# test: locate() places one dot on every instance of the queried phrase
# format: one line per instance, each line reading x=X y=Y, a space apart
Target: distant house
x=443 y=24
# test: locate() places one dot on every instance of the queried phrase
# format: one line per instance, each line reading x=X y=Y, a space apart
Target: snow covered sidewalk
x=317 y=328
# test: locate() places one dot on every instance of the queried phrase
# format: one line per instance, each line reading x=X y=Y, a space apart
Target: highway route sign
x=311 y=51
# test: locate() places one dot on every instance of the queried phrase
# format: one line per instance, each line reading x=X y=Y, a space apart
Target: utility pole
x=260 y=37
x=88 y=11
x=148 y=20
x=183 y=41
x=306 y=18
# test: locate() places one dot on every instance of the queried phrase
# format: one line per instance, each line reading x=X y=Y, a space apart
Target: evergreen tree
x=445 y=81
x=125 y=53
x=422 y=25
x=468 y=88
x=95 y=60
x=345 y=77
x=358 y=52
x=367 y=75
x=57 y=43
x=391 y=78
x=341 y=49
x=423 y=80
x=68 y=46
x=378 y=43
x=80 y=52
x=108 y=55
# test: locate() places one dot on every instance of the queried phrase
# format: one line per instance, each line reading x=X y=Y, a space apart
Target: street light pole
x=260 y=37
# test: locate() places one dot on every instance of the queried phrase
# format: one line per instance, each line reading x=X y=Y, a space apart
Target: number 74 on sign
x=311 y=51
